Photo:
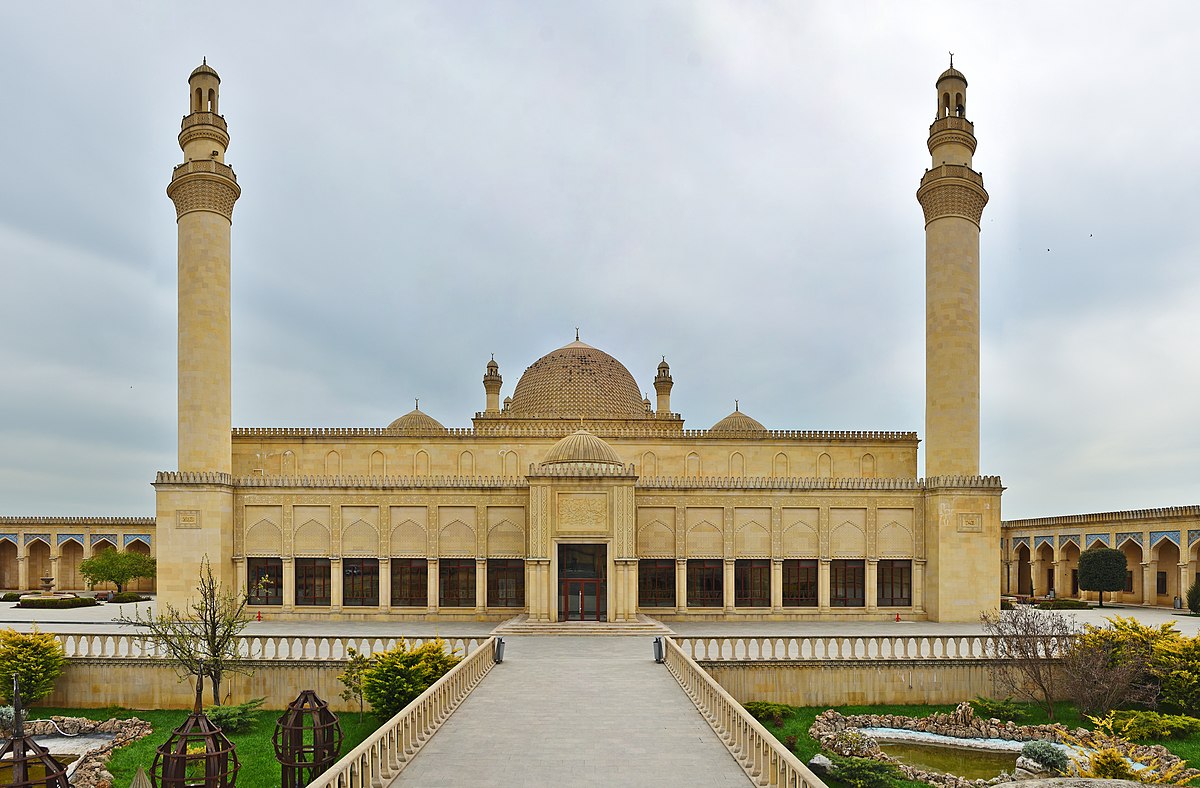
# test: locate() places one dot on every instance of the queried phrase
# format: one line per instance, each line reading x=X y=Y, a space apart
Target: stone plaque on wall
x=582 y=512
x=187 y=518
x=970 y=522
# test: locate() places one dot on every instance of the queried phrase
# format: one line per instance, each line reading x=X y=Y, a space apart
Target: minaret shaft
x=952 y=197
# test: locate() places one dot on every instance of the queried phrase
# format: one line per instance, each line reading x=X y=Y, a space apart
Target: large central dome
x=577 y=381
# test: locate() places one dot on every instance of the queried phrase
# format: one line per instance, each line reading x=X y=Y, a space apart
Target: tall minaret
x=204 y=190
x=952 y=197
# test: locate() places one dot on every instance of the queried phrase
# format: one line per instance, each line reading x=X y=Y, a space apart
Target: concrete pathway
x=574 y=711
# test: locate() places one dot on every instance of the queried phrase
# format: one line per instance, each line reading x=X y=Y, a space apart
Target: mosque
x=575 y=498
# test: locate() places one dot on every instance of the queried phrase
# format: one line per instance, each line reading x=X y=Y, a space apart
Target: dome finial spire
x=737 y=406
x=951 y=60
x=417 y=404
x=576 y=333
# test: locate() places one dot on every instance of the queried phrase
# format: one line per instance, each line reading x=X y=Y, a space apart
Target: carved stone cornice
x=952 y=130
x=952 y=190
x=204 y=185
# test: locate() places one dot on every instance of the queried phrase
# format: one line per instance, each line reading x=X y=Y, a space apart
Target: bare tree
x=1099 y=675
x=202 y=639
x=1029 y=647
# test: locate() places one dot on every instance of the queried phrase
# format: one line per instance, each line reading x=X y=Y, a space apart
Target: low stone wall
x=148 y=683
x=854 y=682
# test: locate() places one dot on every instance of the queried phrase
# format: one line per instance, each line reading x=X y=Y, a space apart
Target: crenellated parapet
x=381 y=482
x=1097 y=518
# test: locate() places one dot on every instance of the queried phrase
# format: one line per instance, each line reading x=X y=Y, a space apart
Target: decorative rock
x=821 y=765
x=1032 y=767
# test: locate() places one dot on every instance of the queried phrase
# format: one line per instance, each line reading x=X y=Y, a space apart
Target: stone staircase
x=521 y=625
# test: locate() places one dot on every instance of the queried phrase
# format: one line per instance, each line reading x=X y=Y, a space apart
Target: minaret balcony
x=210 y=166
x=204 y=119
x=952 y=171
x=951 y=123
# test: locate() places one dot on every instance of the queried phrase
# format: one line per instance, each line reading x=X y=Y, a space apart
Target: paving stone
x=569 y=711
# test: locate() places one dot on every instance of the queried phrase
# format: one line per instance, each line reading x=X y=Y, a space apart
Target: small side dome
x=417 y=422
x=663 y=366
x=737 y=422
x=582 y=446
x=492 y=364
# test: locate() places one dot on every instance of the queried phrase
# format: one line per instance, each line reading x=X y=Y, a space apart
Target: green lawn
x=1065 y=713
x=254 y=750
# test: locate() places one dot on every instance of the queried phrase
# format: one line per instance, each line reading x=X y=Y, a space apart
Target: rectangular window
x=410 y=582
x=312 y=581
x=360 y=582
x=1160 y=583
x=505 y=582
x=1128 y=582
x=847 y=583
x=752 y=582
x=705 y=582
x=457 y=582
x=894 y=580
x=656 y=582
x=800 y=583
x=264 y=578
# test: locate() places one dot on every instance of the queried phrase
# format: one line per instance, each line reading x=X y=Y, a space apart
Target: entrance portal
x=582 y=586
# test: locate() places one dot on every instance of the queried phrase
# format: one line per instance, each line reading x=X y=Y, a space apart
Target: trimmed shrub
x=399 y=675
x=36 y=658
x=1143 y=725
x=11 y=596
x=1003 y=710
x=1006 y=604
x=1193 y=597
x=775 y=713
x=1047 y=755
x=1063 y=604
x=128 y=596
x=62 y=603
x=866 y=772
x=234 y=719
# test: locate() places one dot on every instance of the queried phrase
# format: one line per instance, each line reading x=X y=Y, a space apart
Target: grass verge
x=254 y=748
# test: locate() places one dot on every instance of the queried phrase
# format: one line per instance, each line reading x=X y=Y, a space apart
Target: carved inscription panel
x=585 y=513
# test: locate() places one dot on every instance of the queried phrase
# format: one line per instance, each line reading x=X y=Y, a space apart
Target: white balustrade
x=761 y=755
x=255 y=647
x=390 y=748
x=842 y=647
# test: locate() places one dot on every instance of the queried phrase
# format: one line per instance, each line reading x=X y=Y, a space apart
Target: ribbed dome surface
x=952 y=73
x=417 y=422
x=577 y=381
x=204 y=68
x=582 y=446
x=737 y=422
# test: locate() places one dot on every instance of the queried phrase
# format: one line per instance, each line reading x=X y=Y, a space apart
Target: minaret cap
x=204 y=68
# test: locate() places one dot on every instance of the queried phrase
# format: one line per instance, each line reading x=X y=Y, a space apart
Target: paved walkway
x=575 y=711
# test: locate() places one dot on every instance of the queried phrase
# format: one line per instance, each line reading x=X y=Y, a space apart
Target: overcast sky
x=729 y=184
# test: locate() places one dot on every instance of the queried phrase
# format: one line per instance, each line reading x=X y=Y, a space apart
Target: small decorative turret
x=491 y=385
x=646 y=403
x=662 y=386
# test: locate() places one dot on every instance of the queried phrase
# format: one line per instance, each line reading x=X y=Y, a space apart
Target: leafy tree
x=352 y=679
x=1028 y=645
x=111 y=566
x=202 y=639
x=1193 y=597
x=36 y=658
x=1102 y=569
x=399 y=675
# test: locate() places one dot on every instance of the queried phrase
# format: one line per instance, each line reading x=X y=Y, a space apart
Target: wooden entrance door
x=582 y=586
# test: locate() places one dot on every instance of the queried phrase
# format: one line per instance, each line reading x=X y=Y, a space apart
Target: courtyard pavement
x=578 y=711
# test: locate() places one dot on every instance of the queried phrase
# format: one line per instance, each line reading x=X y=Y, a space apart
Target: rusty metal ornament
x=25 y=757
x=197 y=754
x=307 y=740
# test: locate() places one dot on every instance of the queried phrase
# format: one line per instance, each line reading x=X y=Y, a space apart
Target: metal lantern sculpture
x=197 y=755
x=307 y=740
x=26 y=757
